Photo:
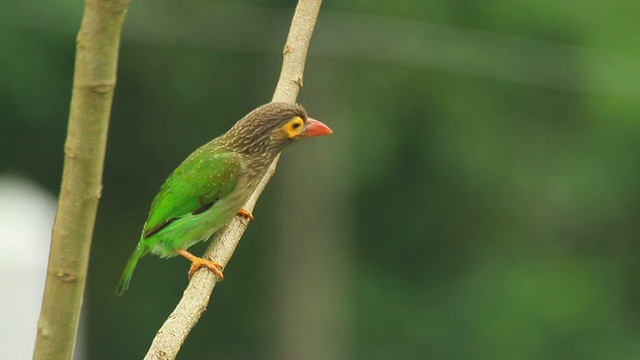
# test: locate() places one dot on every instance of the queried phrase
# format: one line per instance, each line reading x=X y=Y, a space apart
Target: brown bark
x=195 y=298
x=93 y=85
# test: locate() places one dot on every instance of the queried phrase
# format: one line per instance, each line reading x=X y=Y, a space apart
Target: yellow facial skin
x=293 y=127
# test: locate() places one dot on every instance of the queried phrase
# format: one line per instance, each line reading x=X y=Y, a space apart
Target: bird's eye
x=293 y=128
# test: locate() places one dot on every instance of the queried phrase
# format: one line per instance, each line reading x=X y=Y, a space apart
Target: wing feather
x=205 y=177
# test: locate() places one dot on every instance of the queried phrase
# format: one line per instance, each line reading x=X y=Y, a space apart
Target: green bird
x=210 y=187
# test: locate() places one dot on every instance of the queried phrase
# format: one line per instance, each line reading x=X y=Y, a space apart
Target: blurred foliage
x=490 y=161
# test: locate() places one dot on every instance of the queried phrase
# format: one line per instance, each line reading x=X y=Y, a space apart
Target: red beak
x=314 y=127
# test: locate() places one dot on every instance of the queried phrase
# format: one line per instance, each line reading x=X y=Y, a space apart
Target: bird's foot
x=197 y=263
x=245 y=214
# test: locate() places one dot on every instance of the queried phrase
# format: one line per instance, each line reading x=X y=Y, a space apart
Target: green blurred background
x=477 y=200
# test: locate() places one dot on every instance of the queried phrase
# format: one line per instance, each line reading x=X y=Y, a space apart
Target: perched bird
x=209 y=188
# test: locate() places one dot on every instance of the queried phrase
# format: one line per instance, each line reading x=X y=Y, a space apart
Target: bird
x=209 y=188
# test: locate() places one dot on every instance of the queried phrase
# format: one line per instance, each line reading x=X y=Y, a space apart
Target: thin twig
x=93 y=83
x=195 y=298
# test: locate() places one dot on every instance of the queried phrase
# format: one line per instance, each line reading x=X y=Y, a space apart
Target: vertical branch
x=195 y=298
x=93 y=84
x=295 y=51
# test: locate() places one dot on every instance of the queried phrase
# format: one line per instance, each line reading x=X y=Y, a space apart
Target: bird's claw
x=198 y=263
x=245 y=214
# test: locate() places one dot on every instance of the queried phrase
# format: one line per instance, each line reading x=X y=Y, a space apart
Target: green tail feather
x=123 y=284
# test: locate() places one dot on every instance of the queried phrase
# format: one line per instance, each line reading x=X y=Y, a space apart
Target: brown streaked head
x=271 y=127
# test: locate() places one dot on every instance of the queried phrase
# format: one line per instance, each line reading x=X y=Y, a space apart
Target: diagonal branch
x=94 y=80
x=195 y=298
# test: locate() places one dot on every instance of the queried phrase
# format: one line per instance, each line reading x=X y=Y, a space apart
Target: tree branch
x=93 y=83
x=195 y=298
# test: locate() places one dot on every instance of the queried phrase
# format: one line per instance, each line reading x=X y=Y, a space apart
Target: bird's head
x=271 y=127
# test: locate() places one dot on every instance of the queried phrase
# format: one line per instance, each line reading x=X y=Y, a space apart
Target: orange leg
x=197 y=263
x=245 y=214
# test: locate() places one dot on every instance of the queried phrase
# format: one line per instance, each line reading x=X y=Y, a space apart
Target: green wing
x=205 y=177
